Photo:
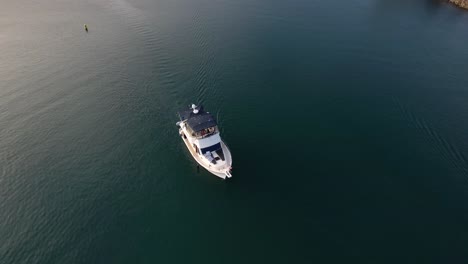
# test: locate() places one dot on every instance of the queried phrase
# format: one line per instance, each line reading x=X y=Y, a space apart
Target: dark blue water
x=348 y=124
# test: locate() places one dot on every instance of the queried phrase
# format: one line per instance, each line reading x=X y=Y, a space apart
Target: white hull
x=221 y=169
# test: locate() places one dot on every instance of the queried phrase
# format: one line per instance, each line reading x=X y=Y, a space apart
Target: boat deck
x=220 y=166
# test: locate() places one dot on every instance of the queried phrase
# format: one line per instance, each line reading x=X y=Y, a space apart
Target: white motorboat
x=200 y=133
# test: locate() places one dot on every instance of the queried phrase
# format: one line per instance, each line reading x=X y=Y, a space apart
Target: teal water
x=347 y=122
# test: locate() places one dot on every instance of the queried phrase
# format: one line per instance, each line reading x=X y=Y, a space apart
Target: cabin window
x=211 y=148
x=206 y=131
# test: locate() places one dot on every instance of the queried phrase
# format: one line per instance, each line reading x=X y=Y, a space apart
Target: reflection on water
x=348 y=121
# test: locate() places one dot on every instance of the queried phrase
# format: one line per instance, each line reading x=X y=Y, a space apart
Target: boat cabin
x=200 y=124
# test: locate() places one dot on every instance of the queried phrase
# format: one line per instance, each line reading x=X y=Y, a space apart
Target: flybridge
x=198 y=119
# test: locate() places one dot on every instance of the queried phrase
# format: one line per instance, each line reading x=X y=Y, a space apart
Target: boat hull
x=220 y=172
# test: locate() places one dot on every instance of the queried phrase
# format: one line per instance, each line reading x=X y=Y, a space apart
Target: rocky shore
x=460 y=3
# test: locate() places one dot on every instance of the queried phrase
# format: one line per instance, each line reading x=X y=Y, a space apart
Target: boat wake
x=156 y=44
x=448 y=151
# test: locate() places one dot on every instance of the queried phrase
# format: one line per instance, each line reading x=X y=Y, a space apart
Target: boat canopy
x=198 y=119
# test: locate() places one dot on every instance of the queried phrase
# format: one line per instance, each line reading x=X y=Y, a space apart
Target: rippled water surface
x=348 y=124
